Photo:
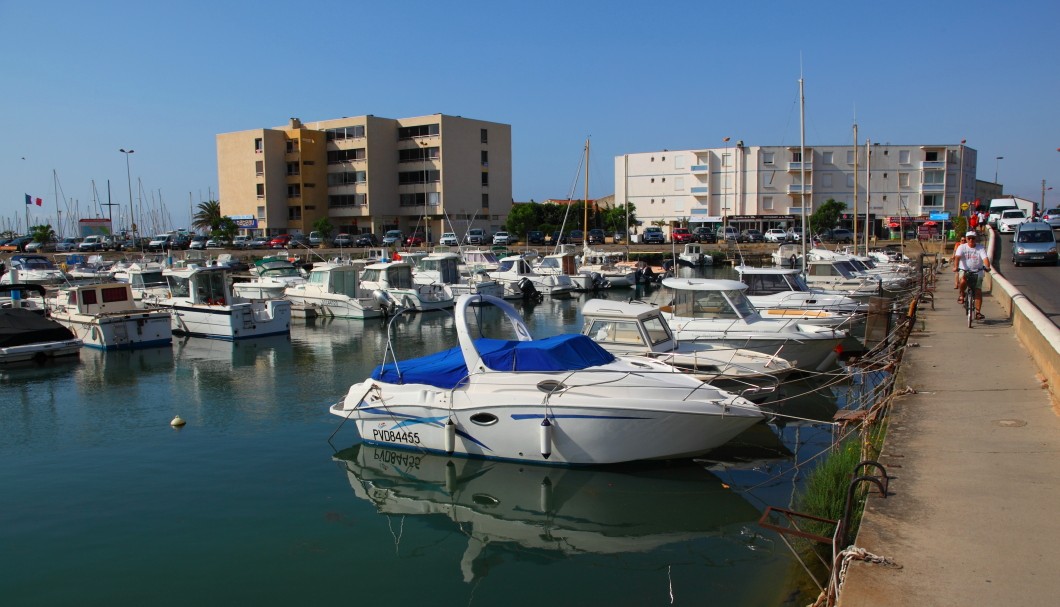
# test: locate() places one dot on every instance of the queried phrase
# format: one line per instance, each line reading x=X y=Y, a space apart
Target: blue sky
x=82 y=79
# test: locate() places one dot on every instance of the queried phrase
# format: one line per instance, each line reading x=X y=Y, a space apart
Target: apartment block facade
x=766 y=186
x=367 y=174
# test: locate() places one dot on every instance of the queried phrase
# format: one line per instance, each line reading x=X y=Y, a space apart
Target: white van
x=998 y=206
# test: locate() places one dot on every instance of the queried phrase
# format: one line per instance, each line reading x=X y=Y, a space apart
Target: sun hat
x=971 y=234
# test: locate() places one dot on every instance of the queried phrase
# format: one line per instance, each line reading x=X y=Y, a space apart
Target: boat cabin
x=201 y=286
x=562 y=263
x=723 y=299
x=445 y=268
x=831 y=269
x=393 y=275
x=770 y=281
x=618 y=326
x=515 y=264
x=336 y=279
x=100 y=298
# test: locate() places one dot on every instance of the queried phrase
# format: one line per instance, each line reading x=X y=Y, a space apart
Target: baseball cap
x=971 y=234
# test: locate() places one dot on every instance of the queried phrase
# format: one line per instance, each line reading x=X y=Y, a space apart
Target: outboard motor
x=387 y=302
x=530 y=292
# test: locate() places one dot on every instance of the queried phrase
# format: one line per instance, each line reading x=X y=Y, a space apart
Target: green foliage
x=42 y=233
x=226 y=229
x=208 y=216
x=523 y=218
x=323 y=225
x=825 y=492
x=826 y=216
x=960 y=225
x=614 y=219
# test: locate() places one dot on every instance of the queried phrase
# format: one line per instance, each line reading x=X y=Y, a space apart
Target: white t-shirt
x=969 y=258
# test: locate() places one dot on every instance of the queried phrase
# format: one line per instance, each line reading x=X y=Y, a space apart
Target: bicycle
x=972 y=280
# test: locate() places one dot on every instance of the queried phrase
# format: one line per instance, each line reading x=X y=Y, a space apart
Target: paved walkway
x=974 y=512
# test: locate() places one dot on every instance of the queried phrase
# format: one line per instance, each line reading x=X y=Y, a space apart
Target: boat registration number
x=390 y=436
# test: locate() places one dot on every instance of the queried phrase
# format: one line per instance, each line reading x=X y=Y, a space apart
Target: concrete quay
x=973 y=515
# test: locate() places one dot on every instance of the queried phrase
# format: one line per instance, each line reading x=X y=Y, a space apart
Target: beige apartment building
x=763 y=186
x=367 y=174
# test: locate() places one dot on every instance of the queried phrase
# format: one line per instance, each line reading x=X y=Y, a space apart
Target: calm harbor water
x=104 y=503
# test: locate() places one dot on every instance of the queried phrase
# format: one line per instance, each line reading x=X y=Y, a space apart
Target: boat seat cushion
x=447 y=369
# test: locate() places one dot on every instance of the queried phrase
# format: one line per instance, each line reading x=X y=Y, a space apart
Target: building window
x=259 y=167
x=485 y=178
x=292 y=168
x=261 y=190
x=726 y=160
x=679 y=162
x=418 y=154
x=412 y=177
x=341 y=156
x=767 y=157
x=485 y=158
x=850 y=180
x=308 y=162
x=827 y=157
x=851 y=156
x=796 y=156
x=422 y=130
x=903 y=157
x=261 y=212
x=932 y=156
x=767 y=203
x=292 y=145
x=767 y=178
x=903 y=180
x=485 y=201
x=484 y=136
x=826 y=180
x=347 y=178
x=342 y=133
x=932 y=200
x=679 y=184
x=339 y=201
x=934 y=177
x=294 y=190
x=259 y=145
x=294 y=213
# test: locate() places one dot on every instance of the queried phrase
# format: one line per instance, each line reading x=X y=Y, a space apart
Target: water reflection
x=524 y=511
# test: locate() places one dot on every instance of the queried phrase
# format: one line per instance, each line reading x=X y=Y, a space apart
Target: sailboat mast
x=856 y=190
x=802 y=169
x=585 y=202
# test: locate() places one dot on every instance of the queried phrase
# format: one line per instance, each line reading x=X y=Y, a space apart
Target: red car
x=415 y=240
x=682 y=235
x=280 y=242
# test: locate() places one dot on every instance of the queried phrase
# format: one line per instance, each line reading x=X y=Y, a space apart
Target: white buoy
x=450 y=436
x=177 y=422
x=546 y=438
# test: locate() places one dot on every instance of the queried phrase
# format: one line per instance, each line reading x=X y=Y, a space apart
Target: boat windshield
x=712 y=304
x=740 y=303
x=766 y=284
x=399 y=277
x=37 y=263
x=604 y=331
x=343 y=283
x=798 y=283
x=276 y=268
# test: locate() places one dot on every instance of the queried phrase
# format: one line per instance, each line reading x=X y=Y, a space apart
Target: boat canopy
x=448 y=369
x=20 y=327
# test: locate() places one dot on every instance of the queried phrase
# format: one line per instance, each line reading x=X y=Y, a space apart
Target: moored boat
x=105 y=316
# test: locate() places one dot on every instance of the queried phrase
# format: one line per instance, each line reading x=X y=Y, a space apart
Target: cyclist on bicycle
x=971 y=259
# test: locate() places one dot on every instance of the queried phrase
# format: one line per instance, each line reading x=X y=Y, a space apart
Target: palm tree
x=208 y=217
x=42 y=233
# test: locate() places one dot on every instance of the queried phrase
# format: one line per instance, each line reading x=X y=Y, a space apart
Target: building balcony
x=798 y=166
x=932 y=164
x=926 y=210
x=700 y=168
x=933 y=188
x=700 y=191
x=795 y=188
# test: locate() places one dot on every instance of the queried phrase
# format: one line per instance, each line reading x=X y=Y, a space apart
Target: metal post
x=128 y=176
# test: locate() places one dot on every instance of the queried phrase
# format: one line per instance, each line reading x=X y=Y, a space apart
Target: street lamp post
x=997 y=161
x=128 y=176
x=724 y=190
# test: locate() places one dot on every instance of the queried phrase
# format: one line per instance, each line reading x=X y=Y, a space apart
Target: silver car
x=1052 y=217
x=1034 y=242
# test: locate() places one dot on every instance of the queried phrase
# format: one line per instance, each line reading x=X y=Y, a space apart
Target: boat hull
x=239 y=321
x=131 y=331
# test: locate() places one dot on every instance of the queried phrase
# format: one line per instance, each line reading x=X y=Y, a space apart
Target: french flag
x=31 y=200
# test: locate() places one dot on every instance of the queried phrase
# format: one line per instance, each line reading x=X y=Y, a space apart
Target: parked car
x=316 y=239
x=704 y=234
x=91 y=243
x=839 y=235
x=1052 y=217
x=576 y=236
x=752 y=235
x=795 y=234
x=1010 y=219
x=476 y=236
x=343 y=239
x=19 y=244
x=728 y=233
x=415 y=239
x=449 y=239
x=162 y=242
x=653 y=235
x=682 y=235
x=67 y=245
x=240 y=242
x=557 y=238
x=596 y=236
x=198 y=243
x=258 y=242
x=279 y=242
x=1034 y=242
x=132 y=244
x=35 y=246
x=535 y=237
x=216 y=243
x=392 y=238
x=775 y=235
x=299 y=241
x=502 y=238
x=367 y=239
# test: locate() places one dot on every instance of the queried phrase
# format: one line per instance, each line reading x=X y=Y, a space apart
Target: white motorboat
x=839 y=276
x=505 y=511
x=271 y=277
x=26 y=335
x=81 y=268
x=605 y=264
x=718 y=310
x=782 y=288
x=633 y=329
x=336 y=289
x=516 y=270
x=480 y=260
x=31 y=270
x=560 y=400
x=105 y=316
x=563 y=264
x=394 y=282
x=788 y=255
x=202 y=304
x=443 y=268
x=693 y=255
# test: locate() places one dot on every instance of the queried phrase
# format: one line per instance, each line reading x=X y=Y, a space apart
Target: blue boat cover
x=446 y=369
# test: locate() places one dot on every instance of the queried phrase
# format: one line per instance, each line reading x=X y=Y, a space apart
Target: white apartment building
x=762 y=186
x=367 y=174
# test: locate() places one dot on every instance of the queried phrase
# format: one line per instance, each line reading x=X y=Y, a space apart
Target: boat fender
x=450 y=436
x=95 y=333
x=830 y=359
x=545 y=498
x=545 y=431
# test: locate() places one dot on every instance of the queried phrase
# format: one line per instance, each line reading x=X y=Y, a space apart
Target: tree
x=226 y=229
x=523 y=218
x=614 y=218
x=208 y=217
x=826 y=216
x=42 y=233
x=323 y=225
